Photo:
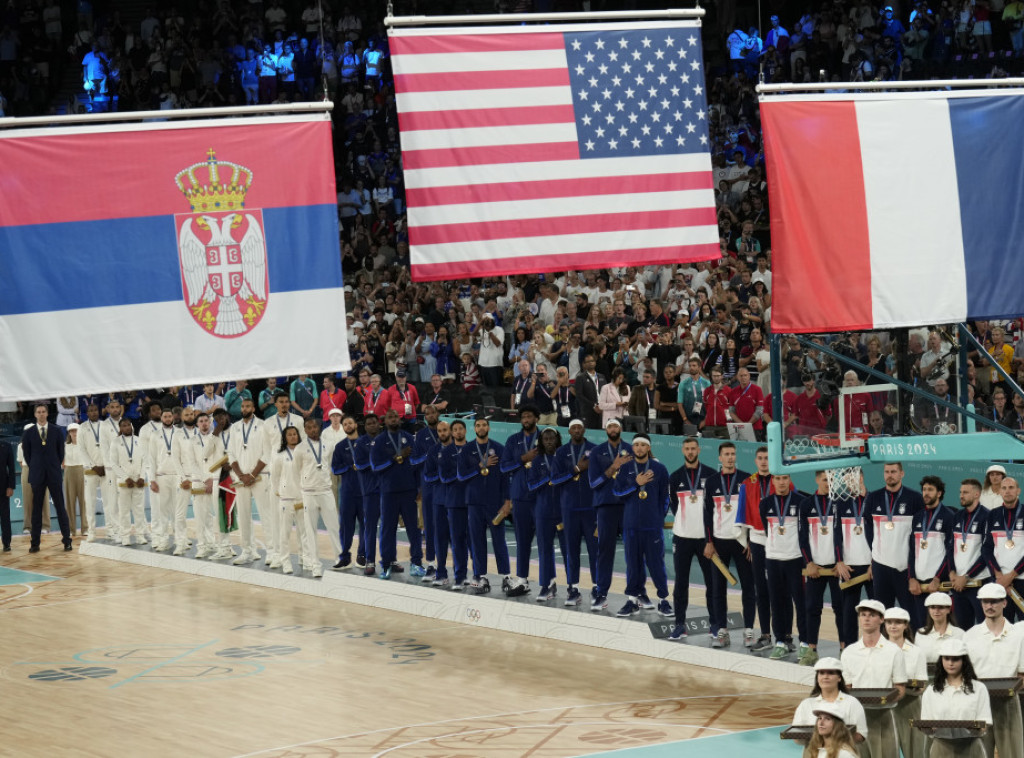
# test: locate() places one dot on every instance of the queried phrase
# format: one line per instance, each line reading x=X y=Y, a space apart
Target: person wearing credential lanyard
x=970 y=528
x=686 y=500
x=486 y=493
x=314 y=469
x=517 y=460
x=350 y=509
x=1004 y=542
x=390 y=458
x=284 y=486
x=424 y=458
x=726 y=537
x=126 y=462
x=931 y=544
x=820 y=545
x=756 y=488
x=892 y=509
x=643 y=486
x=563 y=396
x=403 y=398
x=436 y=396
x=579 y=520
x=780 y=514
x=547 y=510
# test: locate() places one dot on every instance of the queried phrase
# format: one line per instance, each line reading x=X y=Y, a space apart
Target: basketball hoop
x=844 y=483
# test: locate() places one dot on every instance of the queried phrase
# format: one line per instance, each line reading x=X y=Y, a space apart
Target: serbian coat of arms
x=221 y=248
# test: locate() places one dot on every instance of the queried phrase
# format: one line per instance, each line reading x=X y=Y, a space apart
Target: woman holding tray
x=830 y=690
x=956 y=695
x=832 y=738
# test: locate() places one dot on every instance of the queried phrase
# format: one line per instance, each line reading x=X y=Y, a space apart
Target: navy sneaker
x=679 y=632
x=430 y=573
x=665 y=608
x=417 y=570
x=629 y=609
x=645 y=602
x=343 y=561
x=548 y=593
x=572 y=596
x=385 y=573
x=598 y=603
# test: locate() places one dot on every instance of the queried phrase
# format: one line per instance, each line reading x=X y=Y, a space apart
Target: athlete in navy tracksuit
x=425 y=461
x=572 y=463
x=455 y=503
x=442 y=530
x=821 y=544
x=547 y=510
x=486 y=494
x=517 y=460
x=780 y=514
x=369 y=483
x=931 y=544
x=855 y=560
x=350 y=507
x=970 y=530
x=892 y=509
x=606 y=461
x=643 y=485
x=390 y=458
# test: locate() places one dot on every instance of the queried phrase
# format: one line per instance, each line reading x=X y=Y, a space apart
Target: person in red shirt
x=808 y=415
x=857 y=408
x=402 y=398
x=331 y=397
x=717 y=401
x=374 y=400
x=747 y=401
x=788 y=408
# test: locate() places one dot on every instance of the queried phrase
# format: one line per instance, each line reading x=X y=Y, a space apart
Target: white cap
x=992 y=591
x=995 y=468
x=607 y=423
x=939 y=599
x=72 y=426
x=871 y=605
x=335 y=412
x=358 y=325
x=576 y=422
x=831 y=709
x=952 y=648
x=897 y=614
x=829 y=664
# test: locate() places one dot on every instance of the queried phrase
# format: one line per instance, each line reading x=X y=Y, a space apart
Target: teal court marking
x=16 y=576
x=765 y=743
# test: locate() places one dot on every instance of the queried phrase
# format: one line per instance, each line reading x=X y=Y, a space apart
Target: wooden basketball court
x=135 y=660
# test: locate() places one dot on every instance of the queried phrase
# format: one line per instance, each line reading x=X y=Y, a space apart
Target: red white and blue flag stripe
x=570 y=148
x=94 y=294
x=894 y=210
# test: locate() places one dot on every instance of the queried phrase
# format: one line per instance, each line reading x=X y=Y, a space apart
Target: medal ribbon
x=781 y=512
x=823 y=517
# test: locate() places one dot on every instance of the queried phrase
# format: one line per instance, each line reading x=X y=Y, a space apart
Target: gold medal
x=1009 y=544
x=727 y=508
x=858 y=530
x=782 y=530
x=643 y=496
x=529 y=464
x=693 y=498
x=889 y=525
x=399 y=459
x=924 y=544
x=823 y=529
x=576 y=478
x=963 y=547
x=484 y=471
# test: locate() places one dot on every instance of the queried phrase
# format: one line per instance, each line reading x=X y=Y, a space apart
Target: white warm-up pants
x=131 y=502
x=260 y=492
x=94 y=486
x=290 y=512
x=321 y=505
x=204 y=507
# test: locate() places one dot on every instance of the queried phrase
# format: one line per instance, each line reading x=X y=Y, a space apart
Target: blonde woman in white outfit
x=939 y=627
x=897 y=631
x=832 y=737
x=956 y=695
x=313 y=461
x=830 y=689
x=285 y=488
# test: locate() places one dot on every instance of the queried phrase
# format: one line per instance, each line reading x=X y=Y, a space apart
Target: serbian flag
x=532 y=148
x=894 y=210
x=166 y=254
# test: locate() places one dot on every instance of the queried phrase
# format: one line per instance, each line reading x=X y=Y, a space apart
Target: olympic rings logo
x=473 y=614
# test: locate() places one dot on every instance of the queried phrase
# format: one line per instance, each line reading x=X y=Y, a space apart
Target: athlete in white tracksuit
x=287 y=492
x=93 y=442
x=248 y=455
x=207 y=450
x=126 y=463
x=313 y=458
x=168 y=460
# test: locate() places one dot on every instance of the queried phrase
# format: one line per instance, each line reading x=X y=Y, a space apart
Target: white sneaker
x=92 y=538
x=275 y=564
x=181 y=548
x=270 y=559
x=318 y=571
x=223 y=554
x=125 y=541
x=286 y=567
x=242 y=559
x=748 y=638
x=140 y=539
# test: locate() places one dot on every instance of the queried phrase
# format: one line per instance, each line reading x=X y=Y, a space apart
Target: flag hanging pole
x=196 y=113
x=847 y=88
x=532 y=18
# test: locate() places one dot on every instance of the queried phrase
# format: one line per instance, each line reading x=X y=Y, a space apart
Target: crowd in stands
x=651 y=337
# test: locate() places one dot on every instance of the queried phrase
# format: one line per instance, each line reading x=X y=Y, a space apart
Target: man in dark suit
x=42 y=445
x=588 y=384
x=6 y=490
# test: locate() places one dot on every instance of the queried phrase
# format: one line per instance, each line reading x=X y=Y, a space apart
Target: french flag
x=166 y=254
x=894 y=210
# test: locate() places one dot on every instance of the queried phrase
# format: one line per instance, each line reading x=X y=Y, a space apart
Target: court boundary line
x=510 y=713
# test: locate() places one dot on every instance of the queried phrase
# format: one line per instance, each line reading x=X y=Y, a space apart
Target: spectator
x=614 y=397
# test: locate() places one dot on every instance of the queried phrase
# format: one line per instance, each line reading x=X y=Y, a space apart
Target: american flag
x=531 y=151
